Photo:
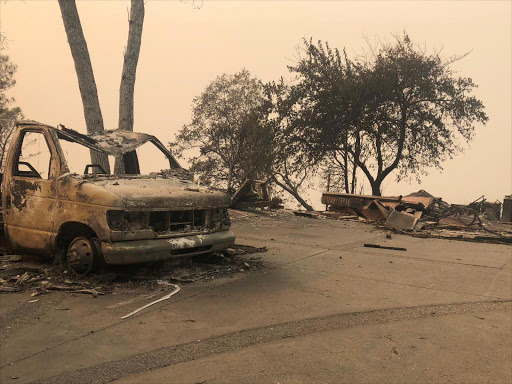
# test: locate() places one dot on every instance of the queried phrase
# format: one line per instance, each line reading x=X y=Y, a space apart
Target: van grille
x=189 y=221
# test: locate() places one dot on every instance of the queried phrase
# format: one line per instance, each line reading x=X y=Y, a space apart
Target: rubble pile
x=26 y=273
x=423 y=214
x=20 y=273
x=255 y=194
x=179 y=173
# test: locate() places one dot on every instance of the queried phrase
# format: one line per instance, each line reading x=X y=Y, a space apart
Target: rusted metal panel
x=150 y=250
x=114 y=142
x=373 y=214
x=402 y=220
x=358 y=202
x=29 y=203
x=425 y=201
x=507 y=209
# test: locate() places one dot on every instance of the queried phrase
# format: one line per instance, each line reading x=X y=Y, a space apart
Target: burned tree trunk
x=376 y=187
x=84 y=72
x=292 y=191
x=131 y=58
x=301 y=201
x=230 y=178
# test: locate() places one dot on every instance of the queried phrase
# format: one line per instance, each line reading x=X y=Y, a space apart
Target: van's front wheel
x=83 y=255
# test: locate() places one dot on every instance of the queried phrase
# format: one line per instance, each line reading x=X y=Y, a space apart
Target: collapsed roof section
x=112 y=142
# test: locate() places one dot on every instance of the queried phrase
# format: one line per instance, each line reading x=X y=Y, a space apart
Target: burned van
x=56 y=202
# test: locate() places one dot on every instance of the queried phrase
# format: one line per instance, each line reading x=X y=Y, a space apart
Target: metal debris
x=507 y=209
x=8 y=289
x=425 y=215
x=11 y=258
x=304 y=214
x=385 y=247
x=403 y=221
x=22 y=278
x=336 y=200
x=255 y=194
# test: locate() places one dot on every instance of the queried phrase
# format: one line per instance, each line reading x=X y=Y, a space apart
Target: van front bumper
x=140 y=251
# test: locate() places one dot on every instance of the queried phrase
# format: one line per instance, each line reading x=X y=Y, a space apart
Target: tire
x=83 y=255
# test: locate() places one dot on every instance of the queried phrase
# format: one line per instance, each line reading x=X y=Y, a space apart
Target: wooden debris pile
x=421 y=211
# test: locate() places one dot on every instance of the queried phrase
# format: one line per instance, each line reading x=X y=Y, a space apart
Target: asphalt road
x=324 y=309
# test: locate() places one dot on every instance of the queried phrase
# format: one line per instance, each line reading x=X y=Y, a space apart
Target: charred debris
x=33 y=274
x=419 y=213
x=254 y=194
x=423 y=214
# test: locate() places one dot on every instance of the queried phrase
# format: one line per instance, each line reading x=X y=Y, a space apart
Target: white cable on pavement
x=176 y=290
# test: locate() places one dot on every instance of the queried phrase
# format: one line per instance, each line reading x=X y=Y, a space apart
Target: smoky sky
x=184 y=48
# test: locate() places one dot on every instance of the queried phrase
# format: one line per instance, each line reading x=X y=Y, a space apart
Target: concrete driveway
x=325 y=309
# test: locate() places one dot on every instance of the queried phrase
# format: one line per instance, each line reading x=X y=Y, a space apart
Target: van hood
x=151 y=193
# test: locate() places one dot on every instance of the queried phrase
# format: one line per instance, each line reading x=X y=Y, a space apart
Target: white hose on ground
x=176 y=290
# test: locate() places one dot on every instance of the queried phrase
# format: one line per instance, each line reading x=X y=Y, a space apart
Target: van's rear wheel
x=83 y=255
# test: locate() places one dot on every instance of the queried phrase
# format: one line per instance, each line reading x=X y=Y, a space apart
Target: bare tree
x=131 y=59
x=85 y=74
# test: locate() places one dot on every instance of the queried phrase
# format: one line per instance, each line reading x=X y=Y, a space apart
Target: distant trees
x=237 y=133
x=327 y=100
x=8 y=113
x=289 y=167
x=229 y=131
x=401 y=110
x=398 y=111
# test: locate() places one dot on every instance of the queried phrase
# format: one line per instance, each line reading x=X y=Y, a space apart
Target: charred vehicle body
x=56 y=203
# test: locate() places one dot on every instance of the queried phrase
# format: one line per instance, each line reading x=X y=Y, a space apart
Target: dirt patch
x=30 y=273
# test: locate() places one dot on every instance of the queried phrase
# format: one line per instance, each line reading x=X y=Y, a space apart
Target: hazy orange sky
x=184 y=48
